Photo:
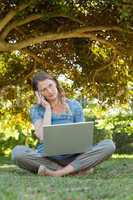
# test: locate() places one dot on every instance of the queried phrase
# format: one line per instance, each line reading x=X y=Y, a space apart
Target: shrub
x=118 y=126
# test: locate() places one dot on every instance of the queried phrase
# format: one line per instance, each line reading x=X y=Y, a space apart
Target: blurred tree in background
x=89 y=43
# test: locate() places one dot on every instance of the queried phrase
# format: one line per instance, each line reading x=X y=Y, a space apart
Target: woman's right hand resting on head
x=42 y=101
x=39 y=124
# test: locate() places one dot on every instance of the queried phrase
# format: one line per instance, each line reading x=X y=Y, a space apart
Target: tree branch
x=3 y=45
x=19 y=23
x=92 y=36
x=112 y=60
x=33 y=55
x=11 y=14
x=77 y=33
x=33 y=18
x=68 y=17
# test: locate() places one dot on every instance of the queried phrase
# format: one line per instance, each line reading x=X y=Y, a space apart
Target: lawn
x=112 y=180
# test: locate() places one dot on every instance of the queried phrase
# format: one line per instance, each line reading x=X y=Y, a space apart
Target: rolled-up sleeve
x=78 y=112
x=36 y=114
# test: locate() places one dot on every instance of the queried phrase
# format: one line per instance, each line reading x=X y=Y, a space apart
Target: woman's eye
x=50 y=85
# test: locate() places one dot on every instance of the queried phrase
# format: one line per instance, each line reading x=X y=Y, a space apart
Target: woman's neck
x=58 y=107
x=55 y=103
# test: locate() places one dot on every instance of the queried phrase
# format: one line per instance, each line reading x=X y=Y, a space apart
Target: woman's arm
x=77 y=110
x=38 y=121
x=39 y=124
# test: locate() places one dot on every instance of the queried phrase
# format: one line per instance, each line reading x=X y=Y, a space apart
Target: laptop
x=69 y=138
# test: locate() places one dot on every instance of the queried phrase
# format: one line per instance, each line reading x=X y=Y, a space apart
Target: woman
x=54 y=108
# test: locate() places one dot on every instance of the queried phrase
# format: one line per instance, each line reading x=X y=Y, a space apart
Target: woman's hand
x=41 y=100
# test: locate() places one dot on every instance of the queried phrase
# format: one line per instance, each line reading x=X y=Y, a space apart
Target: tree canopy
x=90 y=42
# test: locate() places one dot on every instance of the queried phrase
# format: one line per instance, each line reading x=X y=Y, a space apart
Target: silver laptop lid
x=70 y=138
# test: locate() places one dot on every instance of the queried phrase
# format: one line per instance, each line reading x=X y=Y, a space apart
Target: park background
x=88 y=46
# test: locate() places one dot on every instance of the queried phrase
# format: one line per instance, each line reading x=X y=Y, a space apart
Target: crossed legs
x=30 y=160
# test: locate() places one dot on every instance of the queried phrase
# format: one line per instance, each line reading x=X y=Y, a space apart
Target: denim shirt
x=75 y=114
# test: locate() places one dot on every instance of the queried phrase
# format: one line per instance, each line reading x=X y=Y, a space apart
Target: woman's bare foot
x=83 y=172
x=44 y=171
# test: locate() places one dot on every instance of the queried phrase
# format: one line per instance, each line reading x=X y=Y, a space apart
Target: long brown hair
x=41 y=76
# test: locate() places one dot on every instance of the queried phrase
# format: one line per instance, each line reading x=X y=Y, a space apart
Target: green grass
x=112 y=180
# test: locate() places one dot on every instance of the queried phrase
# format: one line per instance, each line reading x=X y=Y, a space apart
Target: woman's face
x=48 y=89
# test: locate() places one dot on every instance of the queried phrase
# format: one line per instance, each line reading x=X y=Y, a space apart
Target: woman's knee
x=18 y=151
x=109 y=146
